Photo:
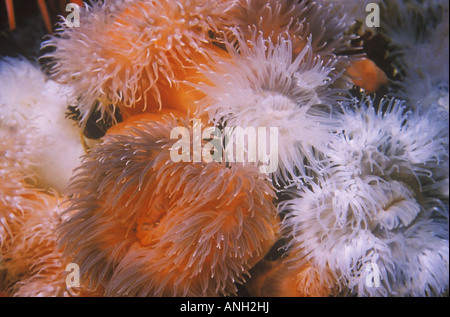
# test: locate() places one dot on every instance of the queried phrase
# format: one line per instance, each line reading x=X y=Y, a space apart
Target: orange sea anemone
x=17 y=202
x=130 y=122
x=13 y=204
x=123 y=53
x=142 y=225
x=25 y=247
x=14 y=164
x=31 y=265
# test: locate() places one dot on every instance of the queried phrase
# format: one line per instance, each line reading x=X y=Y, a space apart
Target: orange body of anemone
x=281 y=279
x=148 y=226
x=177 y=92
x=367 y=75
x=156 y=116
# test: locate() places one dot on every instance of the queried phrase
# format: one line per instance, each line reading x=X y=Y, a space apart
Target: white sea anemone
x=349 y=231
x=382 y=177
x=324 y=23
x=36 y=107
x=140 y=224
x=263 y=85
x=422 y=258
x=393 y=143
x=330 y=227
x=16 y=149
x=124 y=51
x=387 y=140
x=419 y=34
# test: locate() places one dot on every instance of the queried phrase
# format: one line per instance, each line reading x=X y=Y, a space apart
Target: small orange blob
x=367 y=75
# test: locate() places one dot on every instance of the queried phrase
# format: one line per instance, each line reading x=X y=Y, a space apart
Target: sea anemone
x=355 y=202
x=125 y=52
x=262 y=85
x=149 y=226
x=299 y=21
x=27 y=215
x=332 y=228
x=31 y=264
x=386 y=139
x=378 y=187
x=419 y=34
x=16 y=147
x=14 y=202
x=422 y=258
x=31 y=103
x=15 y=171
x=14 y=261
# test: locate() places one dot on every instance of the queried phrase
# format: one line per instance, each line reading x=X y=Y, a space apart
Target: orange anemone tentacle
x=45 y=15
x=79 y=2
x=10 y=11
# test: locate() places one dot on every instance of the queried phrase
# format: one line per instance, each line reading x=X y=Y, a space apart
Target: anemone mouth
x=399 y=209
x=276 y=106
x=146 y=227
x=360 y=162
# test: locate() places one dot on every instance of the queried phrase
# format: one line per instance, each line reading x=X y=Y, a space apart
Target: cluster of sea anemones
x=372 y=199
x=358 y=204
x=145 y=225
